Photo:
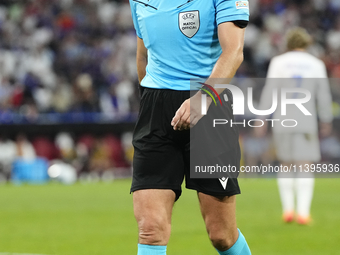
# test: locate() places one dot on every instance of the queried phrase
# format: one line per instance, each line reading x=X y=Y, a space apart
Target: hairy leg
x=152 y=209
x=220 y=220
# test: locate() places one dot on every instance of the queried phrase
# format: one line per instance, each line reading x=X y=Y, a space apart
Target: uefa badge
x=189 y=23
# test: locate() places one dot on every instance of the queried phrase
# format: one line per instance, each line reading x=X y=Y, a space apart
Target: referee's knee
x=154 y=231
x=221 y=240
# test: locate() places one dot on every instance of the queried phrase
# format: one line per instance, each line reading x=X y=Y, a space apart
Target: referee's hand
x=189 y=113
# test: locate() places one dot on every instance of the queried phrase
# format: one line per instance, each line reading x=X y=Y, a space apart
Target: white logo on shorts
x=224 y=182
x=189 y=23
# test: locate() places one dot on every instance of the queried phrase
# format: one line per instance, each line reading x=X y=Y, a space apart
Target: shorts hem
x=177 y=191
x=215 y=194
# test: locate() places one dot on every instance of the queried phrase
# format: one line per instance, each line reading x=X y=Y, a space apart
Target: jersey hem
x=169 y=88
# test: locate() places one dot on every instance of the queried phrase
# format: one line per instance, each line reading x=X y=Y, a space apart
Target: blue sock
x=144 y=249
x=239 y=248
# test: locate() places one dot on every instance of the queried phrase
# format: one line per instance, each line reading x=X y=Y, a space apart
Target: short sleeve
x=135 y=19
x=231 y=10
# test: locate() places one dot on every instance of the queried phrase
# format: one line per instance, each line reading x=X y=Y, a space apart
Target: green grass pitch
x=97 y=219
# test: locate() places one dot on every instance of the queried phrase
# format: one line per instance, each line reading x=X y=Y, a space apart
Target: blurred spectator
x=25 y=150
x=100 y=159
x=65 y=143
x=87 y=100
x=63 y=97
x=8 y=154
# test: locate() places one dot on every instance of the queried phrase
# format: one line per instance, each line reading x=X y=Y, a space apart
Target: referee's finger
x=193 y=122
x=183 y=120
x=178 y=115
x=186 y=123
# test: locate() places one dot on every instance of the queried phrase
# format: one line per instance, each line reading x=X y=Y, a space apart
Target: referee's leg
x=153 y=209
x=220 y=220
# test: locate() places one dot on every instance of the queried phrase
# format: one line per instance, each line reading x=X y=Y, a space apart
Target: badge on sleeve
x=189 y=23
x=242 y=5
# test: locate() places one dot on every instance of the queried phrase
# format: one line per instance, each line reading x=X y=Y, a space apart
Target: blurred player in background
x=299 y=145
x=179 y=40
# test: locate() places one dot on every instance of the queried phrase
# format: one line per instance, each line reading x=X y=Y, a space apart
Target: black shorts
x=162 y=155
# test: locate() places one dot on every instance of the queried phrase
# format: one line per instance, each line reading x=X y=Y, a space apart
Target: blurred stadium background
x=68 y=103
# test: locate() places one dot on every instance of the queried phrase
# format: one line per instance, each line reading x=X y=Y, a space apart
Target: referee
x=177 y=41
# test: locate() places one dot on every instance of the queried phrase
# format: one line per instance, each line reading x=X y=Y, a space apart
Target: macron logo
x=224 y=182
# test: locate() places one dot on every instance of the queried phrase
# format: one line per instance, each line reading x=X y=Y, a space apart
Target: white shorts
x=297 y=147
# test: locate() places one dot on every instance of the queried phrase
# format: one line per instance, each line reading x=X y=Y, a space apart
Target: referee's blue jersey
x=181 y=37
